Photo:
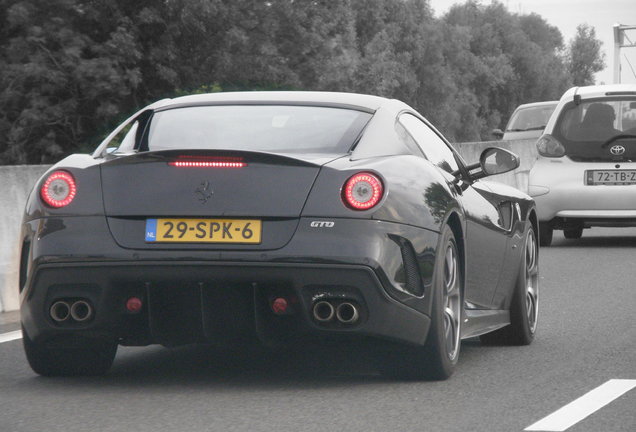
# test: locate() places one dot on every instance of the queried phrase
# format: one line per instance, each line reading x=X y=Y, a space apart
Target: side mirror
x=497 y=133
x=495 y=160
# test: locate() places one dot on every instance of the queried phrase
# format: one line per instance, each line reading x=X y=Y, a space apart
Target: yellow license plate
x=203 y=231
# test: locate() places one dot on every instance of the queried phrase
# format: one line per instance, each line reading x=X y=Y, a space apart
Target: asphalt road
x=586 y=337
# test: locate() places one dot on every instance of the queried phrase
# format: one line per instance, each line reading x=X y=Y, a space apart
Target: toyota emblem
x=617 y=150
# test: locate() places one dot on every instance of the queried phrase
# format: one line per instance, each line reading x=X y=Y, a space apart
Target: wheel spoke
x=531 y=307
x=531 y=253
x=451 y=302
x=532 y=282
x=450 y=331
x=449 y=270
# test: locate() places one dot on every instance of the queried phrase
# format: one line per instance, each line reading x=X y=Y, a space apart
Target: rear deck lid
x=205 y=184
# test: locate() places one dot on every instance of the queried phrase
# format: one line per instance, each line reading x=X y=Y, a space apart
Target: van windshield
x=530 y=118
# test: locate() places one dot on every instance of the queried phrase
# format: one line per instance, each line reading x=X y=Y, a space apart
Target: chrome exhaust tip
x=347 y=313
x=81 y=311
x=323 y=311
x=60 y=311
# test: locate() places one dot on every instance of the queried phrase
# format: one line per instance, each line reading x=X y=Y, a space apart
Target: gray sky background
x=567 y=14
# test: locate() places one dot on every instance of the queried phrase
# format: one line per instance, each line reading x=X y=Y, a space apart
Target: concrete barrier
x=16 y=183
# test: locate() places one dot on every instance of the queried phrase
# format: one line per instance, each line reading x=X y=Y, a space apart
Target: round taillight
x=362 y=191
x=58 y=189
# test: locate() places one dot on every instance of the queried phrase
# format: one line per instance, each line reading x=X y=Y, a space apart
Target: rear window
x=589 y=129
x=597 y=120
x=269 y=128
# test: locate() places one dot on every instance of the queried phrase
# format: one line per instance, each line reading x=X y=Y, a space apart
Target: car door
x=488 y=222
x=485 y=236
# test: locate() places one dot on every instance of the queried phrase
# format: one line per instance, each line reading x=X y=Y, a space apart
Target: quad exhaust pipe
x=60 y=311
x=81 y=311
x=324 y=311
x=345 y=313
x=78 y=311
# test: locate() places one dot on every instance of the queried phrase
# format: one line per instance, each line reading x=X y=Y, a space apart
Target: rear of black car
x=210 y=224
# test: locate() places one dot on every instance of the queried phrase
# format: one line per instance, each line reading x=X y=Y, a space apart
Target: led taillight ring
x=362 y=191
x=59 y=189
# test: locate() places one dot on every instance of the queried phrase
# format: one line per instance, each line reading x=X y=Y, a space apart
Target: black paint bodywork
x=94 y=248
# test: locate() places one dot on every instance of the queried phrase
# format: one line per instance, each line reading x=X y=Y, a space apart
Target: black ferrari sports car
x=274 y=218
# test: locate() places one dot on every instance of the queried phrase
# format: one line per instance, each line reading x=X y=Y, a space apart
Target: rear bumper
x=223 y=303
x=223 y=297
x=559 y=190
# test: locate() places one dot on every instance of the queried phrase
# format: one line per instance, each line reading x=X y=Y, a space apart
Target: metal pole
x=619 y=42
x=618 y=36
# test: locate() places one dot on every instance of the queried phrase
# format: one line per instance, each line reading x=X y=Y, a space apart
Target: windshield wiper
x=616 y=138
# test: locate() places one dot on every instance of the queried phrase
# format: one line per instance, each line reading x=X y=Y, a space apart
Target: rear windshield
x=530 y=118
x=590 y=129
x=269 y=128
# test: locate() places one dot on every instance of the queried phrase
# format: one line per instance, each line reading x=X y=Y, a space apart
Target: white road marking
x=584 y=406
x=7 y=337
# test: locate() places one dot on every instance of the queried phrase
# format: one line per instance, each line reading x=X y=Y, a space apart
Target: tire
x=437 y=359
x=573 y=233
x=524 y=307
x=545 y=234
x=69 y=357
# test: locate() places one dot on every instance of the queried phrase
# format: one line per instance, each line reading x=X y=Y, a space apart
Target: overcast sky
x=567 y=14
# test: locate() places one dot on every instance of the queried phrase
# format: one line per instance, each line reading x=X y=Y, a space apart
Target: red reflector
x=279 y=306
x=58 y=189
x=134 y=305
x=362 y=191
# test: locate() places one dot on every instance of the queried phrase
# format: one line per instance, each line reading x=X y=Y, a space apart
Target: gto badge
x=617 y=150
x=204 y=192
x=322 y=224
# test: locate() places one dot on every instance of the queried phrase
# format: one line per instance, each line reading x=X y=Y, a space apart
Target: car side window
x=432 y=145
x=124 y=140
x=408 y=140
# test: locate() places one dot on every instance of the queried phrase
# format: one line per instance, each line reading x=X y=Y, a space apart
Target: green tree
x=499 y=61
x=58 y=83
x=72 y=68
x=585 y=57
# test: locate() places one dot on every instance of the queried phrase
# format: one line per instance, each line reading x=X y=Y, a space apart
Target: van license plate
x=610 y=177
